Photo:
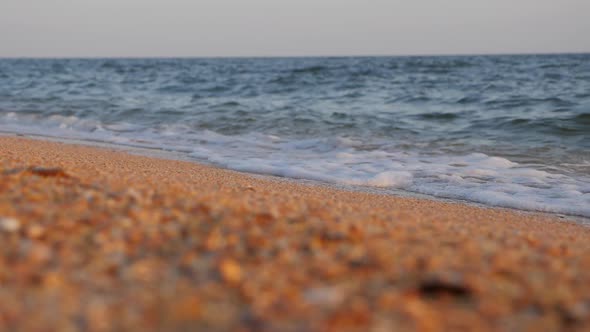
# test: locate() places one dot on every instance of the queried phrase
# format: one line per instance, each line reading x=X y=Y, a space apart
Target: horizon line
x=90 y=57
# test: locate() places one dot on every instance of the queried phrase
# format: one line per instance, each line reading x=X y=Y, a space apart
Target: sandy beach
x=102 y=240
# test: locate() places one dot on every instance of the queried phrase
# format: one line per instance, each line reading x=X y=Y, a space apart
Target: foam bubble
x=391 y=179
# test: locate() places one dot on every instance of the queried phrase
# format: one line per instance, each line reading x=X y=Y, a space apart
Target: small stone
x=47 y=171
x=35 y=231
x=577 y=312
x=12 y=171
x=230 y=271
x=324 y=296
x=9 y=225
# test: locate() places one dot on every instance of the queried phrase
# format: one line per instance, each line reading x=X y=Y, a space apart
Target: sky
x=195 y=28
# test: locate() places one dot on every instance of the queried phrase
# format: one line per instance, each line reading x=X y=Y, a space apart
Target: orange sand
x=95 y=239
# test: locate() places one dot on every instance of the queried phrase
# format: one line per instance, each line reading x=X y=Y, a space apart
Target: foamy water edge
x=395 y=178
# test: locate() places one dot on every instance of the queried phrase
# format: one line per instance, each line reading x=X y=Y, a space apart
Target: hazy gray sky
x=291 y=27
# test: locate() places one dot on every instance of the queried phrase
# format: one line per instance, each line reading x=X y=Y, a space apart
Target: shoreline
x=97 y=238
x=178 y=156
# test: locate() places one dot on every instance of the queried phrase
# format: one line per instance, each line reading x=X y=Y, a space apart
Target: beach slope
x=97 y=239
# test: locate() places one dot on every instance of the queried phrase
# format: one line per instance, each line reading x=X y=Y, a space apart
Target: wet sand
x=97 y=239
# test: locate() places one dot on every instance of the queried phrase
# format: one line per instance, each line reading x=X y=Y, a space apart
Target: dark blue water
x=510 y=131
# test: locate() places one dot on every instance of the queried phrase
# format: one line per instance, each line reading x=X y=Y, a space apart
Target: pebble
x=325 y=296
x=47 y=171
x=231 y=271
x=9 y=225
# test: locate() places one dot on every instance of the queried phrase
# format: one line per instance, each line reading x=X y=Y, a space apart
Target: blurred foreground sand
x=99 y=240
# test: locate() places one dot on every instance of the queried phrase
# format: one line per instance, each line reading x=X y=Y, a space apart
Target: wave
x=439 y=116
x=311 y=70
x=583 y=118
x=474 y=177
x=557 y=126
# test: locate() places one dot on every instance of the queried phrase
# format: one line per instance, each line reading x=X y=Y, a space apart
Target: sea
x=503 y=130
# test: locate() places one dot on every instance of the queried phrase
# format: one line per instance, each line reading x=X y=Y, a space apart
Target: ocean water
x=510 y=131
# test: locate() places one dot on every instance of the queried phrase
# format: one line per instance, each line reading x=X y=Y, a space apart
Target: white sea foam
x=474 y=177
